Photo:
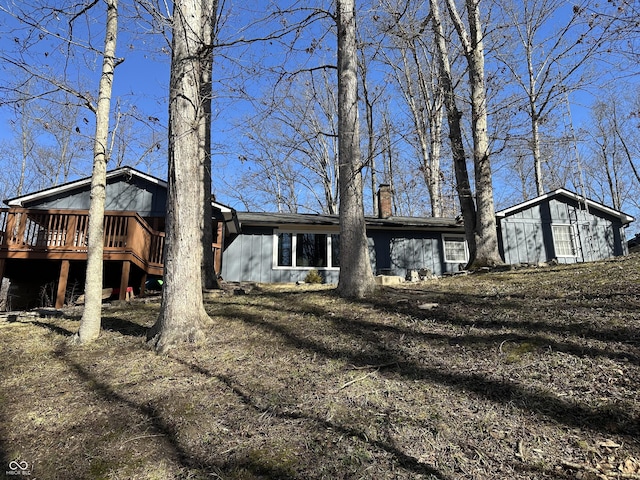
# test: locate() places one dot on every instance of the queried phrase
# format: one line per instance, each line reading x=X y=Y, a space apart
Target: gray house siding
x=527 y=235
x=400 y=252
x=250 y=256
x=134 y=194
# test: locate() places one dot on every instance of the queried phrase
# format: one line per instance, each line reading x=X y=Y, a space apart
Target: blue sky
x=142 y=81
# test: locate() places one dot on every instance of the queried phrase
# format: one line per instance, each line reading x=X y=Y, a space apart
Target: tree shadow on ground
x=538 y=333
x=124 y=327
x=410 y=463
x=606 y=419
x=108 y=394
x=478 y=317
x=111 y=324
x=159 y=427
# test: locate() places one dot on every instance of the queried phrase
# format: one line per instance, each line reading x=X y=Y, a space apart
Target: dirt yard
x=525 y=374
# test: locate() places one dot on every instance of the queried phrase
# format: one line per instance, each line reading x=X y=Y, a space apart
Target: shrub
x=313 y=277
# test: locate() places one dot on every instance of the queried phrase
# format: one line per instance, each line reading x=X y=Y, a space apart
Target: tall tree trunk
x=534 y=115
x=182 y=314
x=209 y=20
x=91 y=316
x=486 y=235
x=463 y=185
x=356 y=278
x=371 y=138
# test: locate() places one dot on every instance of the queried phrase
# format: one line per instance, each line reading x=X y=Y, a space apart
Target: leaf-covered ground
x=531 y=373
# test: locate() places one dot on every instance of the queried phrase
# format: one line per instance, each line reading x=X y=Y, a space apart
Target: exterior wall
x=147 y=199
x=527 y=235
x=250 y=257
x=398 y=252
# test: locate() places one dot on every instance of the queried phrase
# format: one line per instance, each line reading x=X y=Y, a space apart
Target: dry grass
x=524 y=374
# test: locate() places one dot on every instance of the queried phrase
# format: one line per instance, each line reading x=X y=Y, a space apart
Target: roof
x=624 y=218
x=311 y=220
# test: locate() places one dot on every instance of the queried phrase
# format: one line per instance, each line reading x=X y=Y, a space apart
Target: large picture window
x=455 y=249
x=303 y=250
x=563 y=241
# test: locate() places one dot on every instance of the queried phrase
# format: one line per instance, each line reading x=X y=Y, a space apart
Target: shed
x=561 y=226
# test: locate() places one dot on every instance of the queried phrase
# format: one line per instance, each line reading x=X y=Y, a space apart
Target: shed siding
x=527 y=235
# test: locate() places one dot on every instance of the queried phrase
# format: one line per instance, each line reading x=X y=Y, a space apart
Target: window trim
x=446 y=236
x=572 y=238
x=294 y=245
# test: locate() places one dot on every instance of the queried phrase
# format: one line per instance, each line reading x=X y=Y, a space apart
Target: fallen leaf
x=609 y=444
x=428 y=306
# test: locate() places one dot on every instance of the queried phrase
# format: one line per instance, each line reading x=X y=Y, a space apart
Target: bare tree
x=612 y=174
x=454 y=116
x=92 y=314
x=546 y=62
x=290 y=154
x=486 y=236
x=356 y=278
x=410 y=61
x=208 y=26
x=182 y=314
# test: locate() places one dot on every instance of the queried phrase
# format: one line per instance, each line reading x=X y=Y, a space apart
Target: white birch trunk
x=92 y=314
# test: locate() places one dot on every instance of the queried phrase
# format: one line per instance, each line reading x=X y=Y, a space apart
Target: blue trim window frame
x=455 y=249
x=300 y=249
x=564 y=243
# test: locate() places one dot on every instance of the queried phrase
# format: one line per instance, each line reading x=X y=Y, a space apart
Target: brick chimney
x=384 y=201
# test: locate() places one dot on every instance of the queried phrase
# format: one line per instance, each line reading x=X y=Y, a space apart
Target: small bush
x=313 y=277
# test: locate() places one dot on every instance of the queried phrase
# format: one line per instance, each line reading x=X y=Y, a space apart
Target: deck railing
x=59 y=232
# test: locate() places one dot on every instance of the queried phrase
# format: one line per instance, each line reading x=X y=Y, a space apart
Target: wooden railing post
x=11 y=225
x=22 y=225
x=72 y=226
x=2 y=263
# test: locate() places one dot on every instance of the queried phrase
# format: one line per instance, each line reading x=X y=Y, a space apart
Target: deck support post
x=62 y=283
x=124 y=279
x=2 y=264
x=143 y=283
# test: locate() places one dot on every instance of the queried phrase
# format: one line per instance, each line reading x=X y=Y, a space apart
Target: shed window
x=455 y=249
x=563 y=241
x=317 y=250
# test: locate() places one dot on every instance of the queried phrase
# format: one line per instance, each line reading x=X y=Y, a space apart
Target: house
x=562 y=226
x=283 y=247
x=43 y=236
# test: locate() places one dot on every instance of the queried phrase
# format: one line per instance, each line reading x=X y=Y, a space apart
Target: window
x=316 y=250
x=335 y=250
x=455 y=249
x=311 y=250
x=285 y=243
x=563 y=241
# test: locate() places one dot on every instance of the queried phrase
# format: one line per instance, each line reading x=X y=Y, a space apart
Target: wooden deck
x=62 y=235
